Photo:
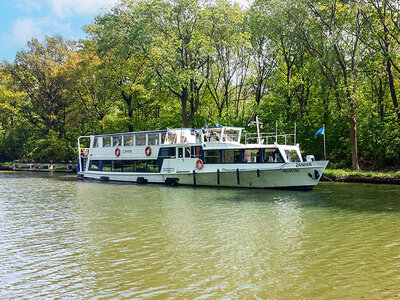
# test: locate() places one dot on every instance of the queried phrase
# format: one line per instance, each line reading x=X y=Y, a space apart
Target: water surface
x=65 y=238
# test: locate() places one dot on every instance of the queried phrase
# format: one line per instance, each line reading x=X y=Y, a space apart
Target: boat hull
x=304 y=176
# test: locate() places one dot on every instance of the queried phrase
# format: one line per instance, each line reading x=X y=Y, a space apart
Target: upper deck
x=215 y=136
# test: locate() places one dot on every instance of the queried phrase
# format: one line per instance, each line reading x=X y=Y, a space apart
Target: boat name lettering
x=127 y=151
x=290 y=170
x=303 y=164
x=169 y=170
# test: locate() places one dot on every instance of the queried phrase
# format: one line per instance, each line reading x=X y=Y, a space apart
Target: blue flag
x=320 y=131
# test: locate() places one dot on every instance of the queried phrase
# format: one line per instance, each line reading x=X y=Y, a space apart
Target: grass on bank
x=344 y=173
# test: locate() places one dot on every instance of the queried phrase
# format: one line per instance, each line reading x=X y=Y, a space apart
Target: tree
x=180 y=50
x=228 y=40
x=332 y=34
x=39 y=72
x=120 y=39
x=90 y=85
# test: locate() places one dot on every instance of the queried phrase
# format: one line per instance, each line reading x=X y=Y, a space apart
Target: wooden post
x=218 y=177
x=237 y=176
x=194 y=178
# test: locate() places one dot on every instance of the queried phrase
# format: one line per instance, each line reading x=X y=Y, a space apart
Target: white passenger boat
x=218 y=156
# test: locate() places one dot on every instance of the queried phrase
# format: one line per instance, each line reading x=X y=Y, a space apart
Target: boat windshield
x=292 y=156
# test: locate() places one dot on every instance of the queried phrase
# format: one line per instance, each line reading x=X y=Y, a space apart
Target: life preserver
x=85 y=152
x=148 y=151
x=117 y=152
x=199 y=164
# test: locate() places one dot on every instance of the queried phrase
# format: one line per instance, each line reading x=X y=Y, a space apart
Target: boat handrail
x=269 y=138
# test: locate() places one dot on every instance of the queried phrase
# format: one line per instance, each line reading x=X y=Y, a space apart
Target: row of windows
x=129 y=140
x=124 y=166
x=144 y=139
x=208 y=156
x=247 y=156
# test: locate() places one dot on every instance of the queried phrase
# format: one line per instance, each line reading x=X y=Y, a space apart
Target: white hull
x=284 y=175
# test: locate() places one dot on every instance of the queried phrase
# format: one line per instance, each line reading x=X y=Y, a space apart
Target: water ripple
x=62 y=238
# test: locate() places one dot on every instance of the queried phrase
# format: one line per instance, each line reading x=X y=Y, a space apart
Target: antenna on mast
x=258 y=123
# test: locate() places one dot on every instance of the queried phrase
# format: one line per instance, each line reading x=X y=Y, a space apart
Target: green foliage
x=151 y=64
x=52 y=148
x=343 y=173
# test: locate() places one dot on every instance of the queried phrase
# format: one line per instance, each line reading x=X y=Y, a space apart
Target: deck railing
x=45 y=167
x=269 y=138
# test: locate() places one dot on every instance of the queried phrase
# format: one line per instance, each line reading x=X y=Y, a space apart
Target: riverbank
x=338 y=175
x=341 y=175
x=6 y=166
x=37 y=167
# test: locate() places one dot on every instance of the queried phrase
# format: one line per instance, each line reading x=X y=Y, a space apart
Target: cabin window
x=117 y=141
x=153 y=139
x=292 y=156
x=272 y=155
x=180 y=152
x=169 y=152
x=140 y=166
x=231 y=156
x=164 y=138
x=212 y=156
x=128 y=140
x=187 y=151
x=107 y=165
x=97 y=142
x=129 y=166
x=198 y=137
x=117 y=165
x=251 y=156
x=94 y=165
x=171 y=138
x=152 y=166
x=197 y=151
x=107 y=141
x=140 y=140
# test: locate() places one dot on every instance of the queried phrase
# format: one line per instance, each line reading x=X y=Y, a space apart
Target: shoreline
x=376 y=177
x=330 y=175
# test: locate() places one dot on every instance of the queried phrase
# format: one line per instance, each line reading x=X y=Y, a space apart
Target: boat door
x=182 y=159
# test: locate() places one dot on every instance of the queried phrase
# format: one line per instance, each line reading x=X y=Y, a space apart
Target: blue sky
x=20 y=20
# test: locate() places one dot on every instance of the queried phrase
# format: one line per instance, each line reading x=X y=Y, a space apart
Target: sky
x=20 y=20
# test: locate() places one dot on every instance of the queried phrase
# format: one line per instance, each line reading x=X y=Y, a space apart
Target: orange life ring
x=85 y=152
x=199 y=164
x=117 y=152
x=148 y=151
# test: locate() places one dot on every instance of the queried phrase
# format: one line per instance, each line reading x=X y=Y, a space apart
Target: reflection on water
x=61 y=237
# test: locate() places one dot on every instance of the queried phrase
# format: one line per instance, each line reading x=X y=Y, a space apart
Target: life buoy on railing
x=85 y=152
x=117 y=152
x=199 y=164
x=148 y=151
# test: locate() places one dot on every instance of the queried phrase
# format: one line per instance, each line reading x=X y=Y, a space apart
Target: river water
x=65 y=238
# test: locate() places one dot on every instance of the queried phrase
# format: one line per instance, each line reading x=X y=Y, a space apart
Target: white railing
x=50 y=167
x=269 y=138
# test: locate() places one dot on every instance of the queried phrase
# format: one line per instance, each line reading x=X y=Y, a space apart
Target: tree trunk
x=128 y=102
x=353 y=141
x=392 y=89
x=184 y=99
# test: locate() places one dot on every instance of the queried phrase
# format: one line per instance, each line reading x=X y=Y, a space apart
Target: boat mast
x=258 y=129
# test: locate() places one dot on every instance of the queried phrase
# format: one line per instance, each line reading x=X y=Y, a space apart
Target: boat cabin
x=147 y=151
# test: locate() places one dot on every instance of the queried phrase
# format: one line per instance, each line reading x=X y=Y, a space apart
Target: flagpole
x=324 y=142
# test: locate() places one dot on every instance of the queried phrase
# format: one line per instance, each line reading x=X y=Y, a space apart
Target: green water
x=64 y=238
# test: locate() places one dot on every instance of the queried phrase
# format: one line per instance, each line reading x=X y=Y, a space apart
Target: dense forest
x=152 y=64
